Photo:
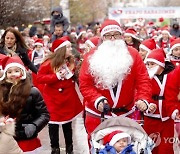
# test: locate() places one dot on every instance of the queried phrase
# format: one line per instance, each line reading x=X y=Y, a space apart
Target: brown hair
x=19 y=38
x=14 y=97
x=58 y=58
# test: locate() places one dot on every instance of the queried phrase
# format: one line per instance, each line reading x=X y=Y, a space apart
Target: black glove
x=106 y=108
x=29 y=129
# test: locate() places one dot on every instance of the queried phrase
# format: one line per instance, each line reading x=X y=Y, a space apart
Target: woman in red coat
x=59 y=92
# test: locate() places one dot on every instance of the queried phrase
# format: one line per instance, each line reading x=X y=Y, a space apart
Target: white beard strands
x=110 y=64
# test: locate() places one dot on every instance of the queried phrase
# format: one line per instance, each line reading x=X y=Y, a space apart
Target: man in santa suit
x=159 y=123
x=113 y=75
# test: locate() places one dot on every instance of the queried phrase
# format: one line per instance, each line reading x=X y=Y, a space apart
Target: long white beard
x=110 y=63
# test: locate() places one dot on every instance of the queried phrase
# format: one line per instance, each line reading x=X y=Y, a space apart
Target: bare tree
x=84 y=11
x=20 y=12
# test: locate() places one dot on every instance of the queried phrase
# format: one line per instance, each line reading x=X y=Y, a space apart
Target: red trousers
x=162 y=133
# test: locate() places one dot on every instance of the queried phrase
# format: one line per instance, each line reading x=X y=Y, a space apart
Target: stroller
x=143 y=144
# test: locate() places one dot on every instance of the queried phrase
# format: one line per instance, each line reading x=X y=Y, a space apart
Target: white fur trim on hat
x=132 y=35
x=110 y=28
x=62 y=45
x=12 y=65
x=119 y=136
x=82 y=32
x=174 y=46
x=155 y=61
x=38 y=43
x=166 y=31
x=90 y=43
x=145 y=48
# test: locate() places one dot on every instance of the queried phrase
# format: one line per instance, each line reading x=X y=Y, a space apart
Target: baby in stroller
x=138 y=142
x=117 y=142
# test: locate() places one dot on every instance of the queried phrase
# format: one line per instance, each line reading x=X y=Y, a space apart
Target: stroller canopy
x=142 y=143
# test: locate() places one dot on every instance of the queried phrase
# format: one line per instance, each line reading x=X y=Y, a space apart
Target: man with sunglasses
x=113 y=78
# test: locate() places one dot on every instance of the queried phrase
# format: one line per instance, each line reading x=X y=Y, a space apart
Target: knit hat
x=110 y=25
x=148 y=45
x=115 y=136
x=174 y=44
x=59 y=43
x=157 y=56
x=93 y=41
x=39 y=42
x=11 y=62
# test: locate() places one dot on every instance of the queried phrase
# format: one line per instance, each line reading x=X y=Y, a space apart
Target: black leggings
x=54 y=135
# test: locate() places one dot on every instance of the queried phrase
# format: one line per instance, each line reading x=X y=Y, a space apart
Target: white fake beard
x=110 y=63
x=152 y=71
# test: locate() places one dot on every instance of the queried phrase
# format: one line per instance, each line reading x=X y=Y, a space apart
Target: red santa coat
x=136 y=82
x=176 y=62
x=172 y=91
x=158 y=93
x=60 y=96
x=159 y=122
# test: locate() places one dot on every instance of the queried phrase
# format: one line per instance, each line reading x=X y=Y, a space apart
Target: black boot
x=55 y=151
x=69 y=150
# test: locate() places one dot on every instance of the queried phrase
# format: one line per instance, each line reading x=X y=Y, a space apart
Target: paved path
x=79 y=139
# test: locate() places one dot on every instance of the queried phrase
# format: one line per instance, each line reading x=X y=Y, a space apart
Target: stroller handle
x=134 y=108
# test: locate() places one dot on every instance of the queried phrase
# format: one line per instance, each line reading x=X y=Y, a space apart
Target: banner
x=145 y=12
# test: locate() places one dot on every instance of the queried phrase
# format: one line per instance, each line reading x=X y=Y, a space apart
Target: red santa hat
x=46 y=37
x=74 y=34
x=174 y=44
x=148 y=45
x=157 y=56
x=154 y=33
x=130 y=32
x=11 y=62
x=59 y=43
x=2 y=59
x=165 y=29
x=39 y=42
x=115 y=136
x=110 y=25
x=93 y=41
x=151 y=23
x=83 y=31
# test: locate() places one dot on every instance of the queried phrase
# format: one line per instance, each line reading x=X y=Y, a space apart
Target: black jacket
x=61 y=19
x=34 y=112
x=22 y=53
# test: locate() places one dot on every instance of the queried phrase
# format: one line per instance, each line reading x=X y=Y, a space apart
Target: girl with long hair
x=63 y=103
x=23 y=102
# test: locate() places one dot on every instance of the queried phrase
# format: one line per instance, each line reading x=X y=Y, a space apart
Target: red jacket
x=172 y=91
x=158 y=97
x=60 y=96
x=137 y=81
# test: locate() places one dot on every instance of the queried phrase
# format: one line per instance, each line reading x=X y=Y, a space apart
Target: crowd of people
x=115 y=67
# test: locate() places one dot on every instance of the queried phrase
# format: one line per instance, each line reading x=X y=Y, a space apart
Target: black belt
x=157 y=97
x=121 y=109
